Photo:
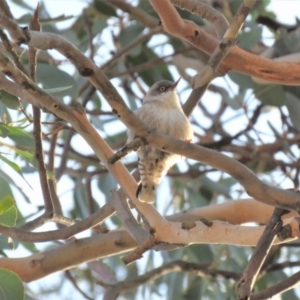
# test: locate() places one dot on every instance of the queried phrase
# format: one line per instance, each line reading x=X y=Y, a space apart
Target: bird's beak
x=173 y=86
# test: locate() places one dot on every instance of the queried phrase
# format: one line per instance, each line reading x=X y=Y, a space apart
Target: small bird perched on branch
x=161 y=110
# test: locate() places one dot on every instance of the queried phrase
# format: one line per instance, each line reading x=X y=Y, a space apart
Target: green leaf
x=248 y=39
x=104 y=8
x=5 y=242
x=5 y=187
x=10 y=101
x=285 y=145
x=30 y=246
x=243 y=81
x=11 y=286
x=27 y=297
x=9 y=218
x=5 y=182
x=206 y=256
x=22 y=4
x=287 y=43
x=106 y=183
x=26 y=155
x=17 y=134
x=269 y=94
x=259 y=9
x=14 y=166
x=81 y=209
x=215 y=186
x=6 y=203
x=51 y=77
x=129 y=32
x=293 y=105
x=150 y=75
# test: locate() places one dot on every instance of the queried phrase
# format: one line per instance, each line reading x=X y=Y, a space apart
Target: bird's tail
x=146 y=193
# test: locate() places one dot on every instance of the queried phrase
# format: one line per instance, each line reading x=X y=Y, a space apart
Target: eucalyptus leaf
x=270 y=94
x=5 y=182
x=129 y=31
x=51 y=77
x=249 y=39
x=6 y=203
x=10 y=101
x=14 y=166
x=9 y=218
x=293 y=105
x=104 y=8
x=17 y=134
x=11 y=286
x=244 y=82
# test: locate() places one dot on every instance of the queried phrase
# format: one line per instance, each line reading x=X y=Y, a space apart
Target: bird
x=161 y=110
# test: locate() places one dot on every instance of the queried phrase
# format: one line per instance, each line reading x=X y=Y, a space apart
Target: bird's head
x=163 y=90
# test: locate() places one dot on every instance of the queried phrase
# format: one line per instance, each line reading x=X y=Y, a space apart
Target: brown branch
x=98 y=217
x=79 y=121
x=239 y=211
x=139 y=40
x=89 y=25
x=119 y=202
x=135 y=12
x=204 y=77
x=147 y=65
x=112 y=291
x=37 y=131
x=76 y=286
x=237 y=59
x=206 y=12
x=68 y=255
x=52 y=181
x=63 y=160
x=139 y=250
x=251 y=272
x=10 y=49
x=278 y=288
x=254 y=186
x=280 y=266
x=5 y=8
x=128 y=148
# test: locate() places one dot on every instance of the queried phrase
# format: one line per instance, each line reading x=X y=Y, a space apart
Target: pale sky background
x=286 y=11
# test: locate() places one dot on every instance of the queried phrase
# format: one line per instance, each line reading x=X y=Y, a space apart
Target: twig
x=89 y=25
x=37 y=131
x=147 y=65
x=203 y=79
x=228 y=41
x=174 y=266
x=136 y=42
x=76 y=286
x=137 y=13
x=206 y=12
x=278 y=288
x=119 y=202
x=63 y=233
x=8 y=46
x=128 y=148
x=5 y=8
x=52 y=181
x=251 y=272
x=63 y=160
x=139 y=250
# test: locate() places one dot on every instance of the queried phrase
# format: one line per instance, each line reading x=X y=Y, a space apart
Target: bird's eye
x=162 y=88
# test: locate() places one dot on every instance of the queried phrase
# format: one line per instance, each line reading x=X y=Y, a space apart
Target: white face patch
x=169 y=99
